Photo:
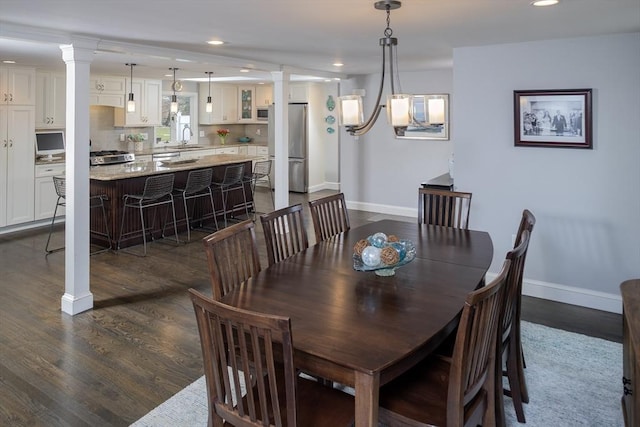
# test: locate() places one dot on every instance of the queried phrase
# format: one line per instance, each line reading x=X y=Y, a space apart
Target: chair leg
x=186 y=215
x=46 y=248
x=106 y=228
x=515 y=381
x=213 y=209
x=144 y=230
x=499 y=390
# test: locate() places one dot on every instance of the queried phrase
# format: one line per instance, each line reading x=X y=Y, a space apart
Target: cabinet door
x=19 y=86
x=45 y=192
x=264 y=95
x=298 y=93
x=152 y=103
x=4 y=150
x=246 y=103
x=225 y=104
x=204 y=118
x=50 y=100
x=20 y=165
x=107 y=91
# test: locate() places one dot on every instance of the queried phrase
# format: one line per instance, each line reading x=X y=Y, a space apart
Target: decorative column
x=281 y=135
x=78 y=57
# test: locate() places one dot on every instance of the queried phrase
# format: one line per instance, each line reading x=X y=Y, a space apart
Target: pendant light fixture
x=399 y=109
x=209 y=105
x=131 y=103
x=174 y=98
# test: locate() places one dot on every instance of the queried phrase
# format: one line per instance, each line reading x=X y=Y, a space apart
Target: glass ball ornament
x=378 y=240
x=371 y=256
x=400 y=247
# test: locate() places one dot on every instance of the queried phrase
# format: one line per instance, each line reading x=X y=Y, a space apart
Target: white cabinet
x=45 y=192
x=264 y=95
x=148 y=97
x=298 y=92
x=50 y=100
x=17 y=125
x=196 y=154
x=225 y=104
x=17 y=86
x=227 y=150
x=107 y=90
x=246 y=104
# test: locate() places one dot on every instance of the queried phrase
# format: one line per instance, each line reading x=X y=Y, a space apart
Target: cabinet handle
x=5 y=142
x=5 y=97
x=11 y=143
x=10 y=97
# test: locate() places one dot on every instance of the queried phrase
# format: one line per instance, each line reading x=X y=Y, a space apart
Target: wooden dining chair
x=510 y=358
x=457 y=390
x=284 y=233
x=444 y=207
x=264 y=368
x=232 y=257
x=330 y=216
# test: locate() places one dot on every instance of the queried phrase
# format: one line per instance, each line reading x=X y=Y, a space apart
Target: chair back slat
x=284 y=233
x=330 y=216
x=262 y=168
x=513 y=287
x=443 y=207
x=474 y=352
x=158 y=186
x=526 y=223
x=60 y=184
x=250 y=352
x=233 y=175
x=232 y=257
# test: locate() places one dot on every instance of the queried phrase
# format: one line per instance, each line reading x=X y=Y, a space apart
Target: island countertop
x=147 y=168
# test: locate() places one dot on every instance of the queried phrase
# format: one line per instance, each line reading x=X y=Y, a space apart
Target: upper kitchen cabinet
x=18 y=86
x=246 y=102
x=225 y=104
x=109 y=91
x=148 y=98
x=298 y=92
x=264 y=95
x=50 y=100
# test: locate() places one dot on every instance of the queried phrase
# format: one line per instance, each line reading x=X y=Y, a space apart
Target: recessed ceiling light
x=216 y=42
x=8 y=61
x=244 y=70
x=541 y=3
x=338 y=64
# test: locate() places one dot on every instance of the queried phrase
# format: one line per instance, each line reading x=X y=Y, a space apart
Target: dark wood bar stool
x=94 y=202
x=157 y=191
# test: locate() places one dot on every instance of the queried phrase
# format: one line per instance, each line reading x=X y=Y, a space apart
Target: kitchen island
x=115 y=181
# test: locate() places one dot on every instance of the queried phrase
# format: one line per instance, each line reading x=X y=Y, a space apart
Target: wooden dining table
x=360 y=329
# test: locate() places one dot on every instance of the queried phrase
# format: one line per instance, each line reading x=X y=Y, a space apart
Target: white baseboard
x=382 y=209
x=570 y=295
x=325 y=186
x=29 y=225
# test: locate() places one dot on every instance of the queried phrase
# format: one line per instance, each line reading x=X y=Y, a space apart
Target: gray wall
x=587 y=202
x=381 y=173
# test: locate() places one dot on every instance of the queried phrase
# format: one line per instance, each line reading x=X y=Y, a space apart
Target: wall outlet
x=201 y=134
x=122 y=137
x=145 y=136
x=258 y=131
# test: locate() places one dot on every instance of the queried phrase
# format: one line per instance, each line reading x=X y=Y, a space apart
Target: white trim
x=382 y=209
x=29 y=225
x=570 y=295
x=325 y=186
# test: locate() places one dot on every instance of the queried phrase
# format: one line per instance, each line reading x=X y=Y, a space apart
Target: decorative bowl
x=245 y=139
x=369 y=259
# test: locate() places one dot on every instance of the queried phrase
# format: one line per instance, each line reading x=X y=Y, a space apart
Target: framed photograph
x=553 y=118
x=430 y=118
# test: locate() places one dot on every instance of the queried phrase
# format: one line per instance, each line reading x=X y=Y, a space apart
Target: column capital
x=81 y=49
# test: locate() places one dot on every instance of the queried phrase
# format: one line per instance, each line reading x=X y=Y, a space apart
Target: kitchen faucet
x=184 y=141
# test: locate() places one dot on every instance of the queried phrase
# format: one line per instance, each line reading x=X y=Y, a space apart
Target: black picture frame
x=553 y=118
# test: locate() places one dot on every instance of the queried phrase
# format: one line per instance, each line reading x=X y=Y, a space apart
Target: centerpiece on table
x=222 y=134
x=382 y=254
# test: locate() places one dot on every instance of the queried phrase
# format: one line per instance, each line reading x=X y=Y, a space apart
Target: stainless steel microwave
x=262 y=113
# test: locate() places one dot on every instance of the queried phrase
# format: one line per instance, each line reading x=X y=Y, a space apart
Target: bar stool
x=198 y=185
x=233 y=180
x=261 y=173
x=157 y=192
x=94 y=202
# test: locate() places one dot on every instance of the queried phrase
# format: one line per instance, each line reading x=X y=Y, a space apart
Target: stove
x=110 y=157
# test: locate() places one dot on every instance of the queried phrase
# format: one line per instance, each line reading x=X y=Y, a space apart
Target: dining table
x=360 y=329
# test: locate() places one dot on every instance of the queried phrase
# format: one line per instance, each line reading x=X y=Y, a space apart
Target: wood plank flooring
x=139 y=345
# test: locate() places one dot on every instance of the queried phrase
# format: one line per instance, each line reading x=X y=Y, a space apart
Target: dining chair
x=444 y=207
x=259 y=386
x=232 y=257
x=457 y=390
x=198 y=186
x=330 y=216
x=158 y=191
x=510 y=357
x=284 y=233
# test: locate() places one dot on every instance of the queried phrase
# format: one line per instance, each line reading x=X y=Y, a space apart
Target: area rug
x=573 y=380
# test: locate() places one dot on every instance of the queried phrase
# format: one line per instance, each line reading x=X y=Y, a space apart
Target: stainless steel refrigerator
x=298 y=147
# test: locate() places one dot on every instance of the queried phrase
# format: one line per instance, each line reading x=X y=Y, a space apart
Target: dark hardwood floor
x=139 y=345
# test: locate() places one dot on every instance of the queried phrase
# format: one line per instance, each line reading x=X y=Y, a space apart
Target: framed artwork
x=553 y=118
x=430 y=118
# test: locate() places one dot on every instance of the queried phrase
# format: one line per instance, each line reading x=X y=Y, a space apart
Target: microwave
x=262 y=114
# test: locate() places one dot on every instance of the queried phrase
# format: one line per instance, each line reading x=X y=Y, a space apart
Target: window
x=181 y=126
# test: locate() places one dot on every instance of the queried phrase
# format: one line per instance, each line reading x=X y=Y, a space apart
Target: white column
x=77 y=297
x=281 y=135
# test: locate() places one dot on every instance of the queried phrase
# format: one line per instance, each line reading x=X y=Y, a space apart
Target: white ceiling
x=300 y=34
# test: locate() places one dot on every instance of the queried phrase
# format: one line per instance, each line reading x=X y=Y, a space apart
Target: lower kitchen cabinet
x=17 y=125
x=45 y=192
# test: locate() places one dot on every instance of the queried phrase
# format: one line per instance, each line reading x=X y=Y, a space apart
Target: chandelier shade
x=174 y=98
x=209 y=105
x=131 y=103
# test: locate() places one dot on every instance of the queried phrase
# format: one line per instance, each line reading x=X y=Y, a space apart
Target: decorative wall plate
x=330 y=130
x=330 y=119
x=331 y=104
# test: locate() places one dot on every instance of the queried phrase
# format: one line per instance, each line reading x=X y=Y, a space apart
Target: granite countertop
x=146 y=168
x=192 y=147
